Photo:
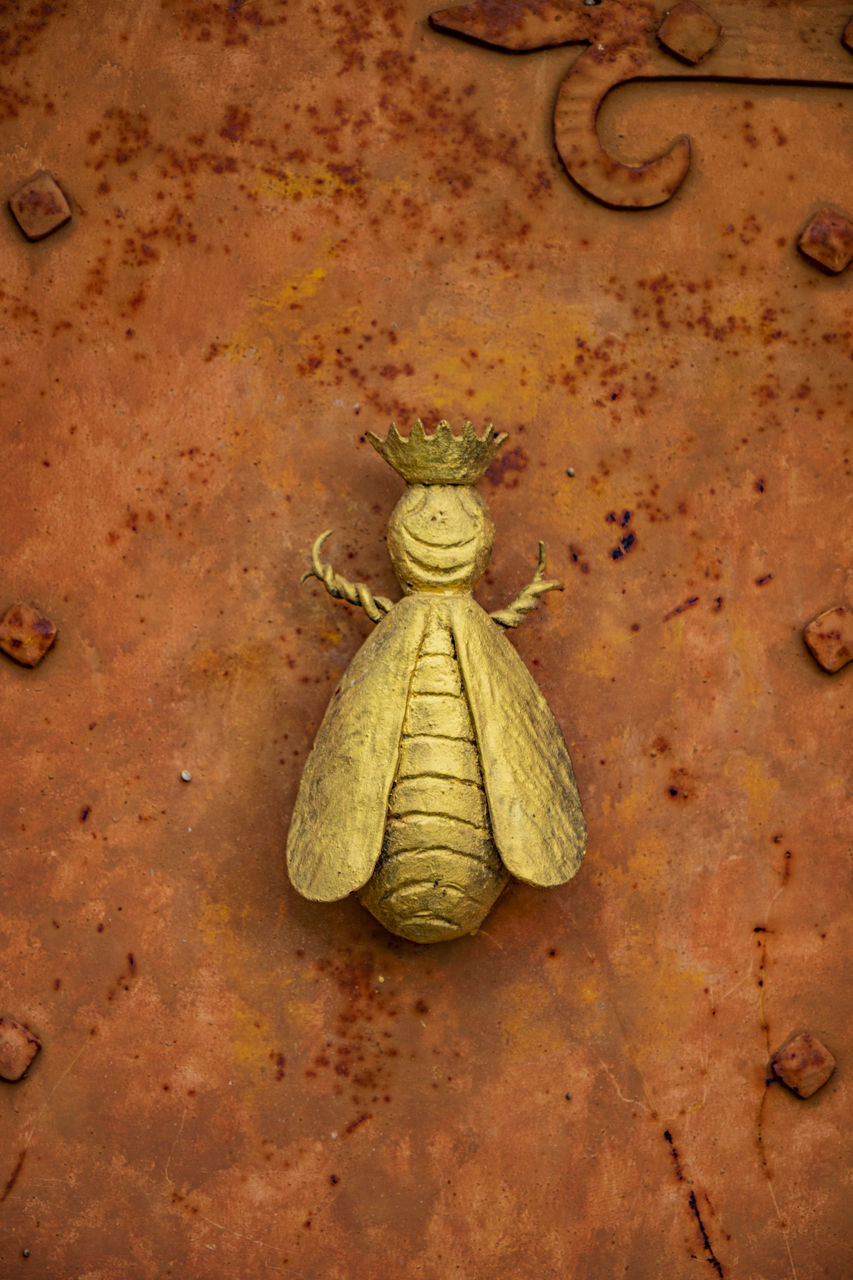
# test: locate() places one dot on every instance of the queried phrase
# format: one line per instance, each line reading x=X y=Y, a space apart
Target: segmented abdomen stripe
x=418 y=831
x=439 y=873
x=438 y=772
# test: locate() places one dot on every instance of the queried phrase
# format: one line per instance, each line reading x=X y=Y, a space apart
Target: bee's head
x=440 y=538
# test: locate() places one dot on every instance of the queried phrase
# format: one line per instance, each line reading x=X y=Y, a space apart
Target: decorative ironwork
x=762 y=42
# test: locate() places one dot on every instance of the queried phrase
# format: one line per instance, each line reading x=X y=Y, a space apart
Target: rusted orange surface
x=290 y=224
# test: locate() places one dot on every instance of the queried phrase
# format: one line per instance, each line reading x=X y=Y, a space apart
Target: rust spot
x=14 y=1176
x=680 y=608
x=124 y=979
x=357 y=1049
x=706 y=1243
x=236 y=123
x=679 y=1172
x=624 y=545
x=23 y=26
x=576 y=553
x=680 y=784
x=505 y=469
x=231 y=22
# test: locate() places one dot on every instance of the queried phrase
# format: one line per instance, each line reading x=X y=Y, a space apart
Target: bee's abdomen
x=439 y=873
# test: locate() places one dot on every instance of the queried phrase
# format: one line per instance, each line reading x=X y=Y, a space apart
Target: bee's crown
x=441 y=458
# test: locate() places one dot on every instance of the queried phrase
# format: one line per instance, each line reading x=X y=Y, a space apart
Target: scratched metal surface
x=290 y=224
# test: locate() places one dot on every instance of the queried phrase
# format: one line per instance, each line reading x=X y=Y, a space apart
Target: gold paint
x=438 y=770
x=441 y=458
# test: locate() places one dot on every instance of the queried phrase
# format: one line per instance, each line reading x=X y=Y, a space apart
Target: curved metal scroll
x=805 y=43
x=601 y=175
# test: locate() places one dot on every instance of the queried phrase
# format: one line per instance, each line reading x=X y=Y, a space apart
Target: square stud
x=829 y=637
x=39 y=206
x=26 y=634
x=803 y=1063
x=18 y=1047
x=828 y=240
x=689 y=32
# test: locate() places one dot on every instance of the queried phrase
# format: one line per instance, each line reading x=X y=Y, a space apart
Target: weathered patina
x=291 y=224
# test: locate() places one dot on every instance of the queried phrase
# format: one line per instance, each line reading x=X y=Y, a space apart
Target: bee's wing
x=537 y=821
x=338 y=822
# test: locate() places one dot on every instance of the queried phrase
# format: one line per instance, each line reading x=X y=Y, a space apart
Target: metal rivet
x=39 y=206
x=689 y=32
x=829 y=637
x=18 y=1048
x=26 y=634
x=827 y=239
x=803 y=1063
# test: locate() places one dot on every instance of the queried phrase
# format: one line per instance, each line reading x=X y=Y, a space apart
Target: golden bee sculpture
x=438 y=771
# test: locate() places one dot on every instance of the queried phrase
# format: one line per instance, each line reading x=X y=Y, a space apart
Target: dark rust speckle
x=505 y=470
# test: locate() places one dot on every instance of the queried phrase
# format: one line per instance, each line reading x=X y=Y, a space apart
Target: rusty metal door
x=239 y=236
